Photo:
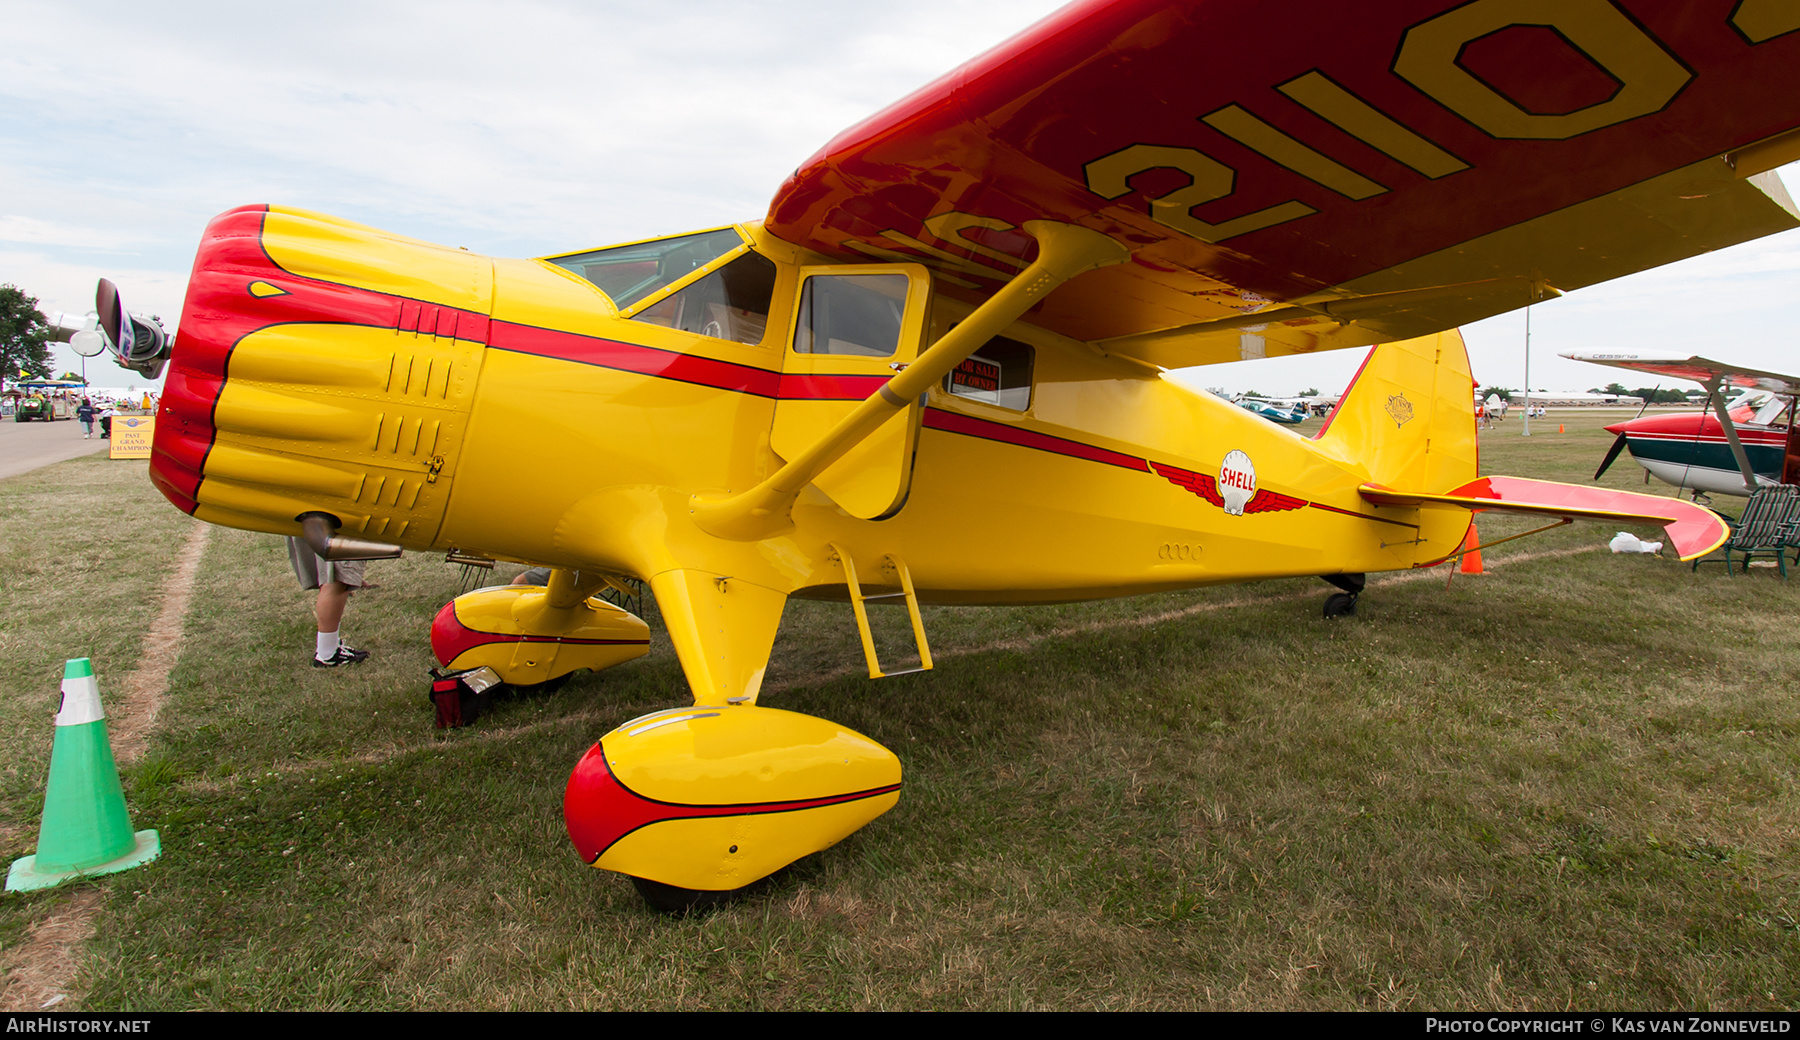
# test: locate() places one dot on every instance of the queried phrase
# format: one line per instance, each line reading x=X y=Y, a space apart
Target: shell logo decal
x=1237 y=481
x=1233 y=490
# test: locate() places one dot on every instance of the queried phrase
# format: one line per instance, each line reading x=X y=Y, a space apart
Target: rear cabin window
x=730 y=303
x=851 y=314
x=999 y=374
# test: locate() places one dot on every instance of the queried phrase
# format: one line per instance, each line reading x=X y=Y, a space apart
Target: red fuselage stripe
x=1771 y=438
x=477 y=638
x=988 y=430
x=685 y=368
x=629 y=357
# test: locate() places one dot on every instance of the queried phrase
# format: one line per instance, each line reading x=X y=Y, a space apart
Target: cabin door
x=854 y=327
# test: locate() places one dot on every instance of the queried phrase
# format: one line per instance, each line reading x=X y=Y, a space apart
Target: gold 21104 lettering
x=1650 y=77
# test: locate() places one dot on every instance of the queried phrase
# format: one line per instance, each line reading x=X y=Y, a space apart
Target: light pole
x=1527 y=432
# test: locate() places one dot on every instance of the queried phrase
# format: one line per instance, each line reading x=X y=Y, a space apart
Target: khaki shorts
x=314 y=572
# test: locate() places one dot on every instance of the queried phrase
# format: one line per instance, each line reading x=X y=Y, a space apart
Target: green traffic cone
x=85 y=829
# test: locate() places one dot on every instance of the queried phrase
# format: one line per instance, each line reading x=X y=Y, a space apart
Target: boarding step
x=858 y=604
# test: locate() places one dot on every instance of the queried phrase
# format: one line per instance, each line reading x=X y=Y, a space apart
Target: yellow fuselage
x=435 y=399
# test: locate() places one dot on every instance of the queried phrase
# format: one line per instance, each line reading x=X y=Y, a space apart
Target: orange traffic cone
x=1559 y=427
x=1471 y=561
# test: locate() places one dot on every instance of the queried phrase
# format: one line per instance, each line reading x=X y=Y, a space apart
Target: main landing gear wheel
x=676 y=901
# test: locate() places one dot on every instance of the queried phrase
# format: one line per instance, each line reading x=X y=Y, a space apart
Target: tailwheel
x=1343 y=604
x=677 y=901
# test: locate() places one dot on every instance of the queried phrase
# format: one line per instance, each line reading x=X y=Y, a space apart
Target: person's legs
x=335 y=581
x=329 y=648
x=333 y=595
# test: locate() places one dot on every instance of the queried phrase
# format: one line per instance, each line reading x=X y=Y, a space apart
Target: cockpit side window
x=730 y=303
x=627 y=274
x=851 y=314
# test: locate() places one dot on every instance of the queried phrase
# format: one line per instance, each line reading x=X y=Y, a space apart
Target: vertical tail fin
x=1408 y=417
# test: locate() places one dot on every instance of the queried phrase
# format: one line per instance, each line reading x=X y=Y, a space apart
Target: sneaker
x=344 y=655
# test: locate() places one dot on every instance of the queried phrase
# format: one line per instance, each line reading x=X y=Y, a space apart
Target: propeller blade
x=113 y=319
x=1618 y=446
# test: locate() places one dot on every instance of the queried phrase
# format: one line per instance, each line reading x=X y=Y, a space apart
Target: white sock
x=327 y=646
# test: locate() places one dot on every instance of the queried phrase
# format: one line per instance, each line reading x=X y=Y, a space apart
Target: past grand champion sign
x=131 y=436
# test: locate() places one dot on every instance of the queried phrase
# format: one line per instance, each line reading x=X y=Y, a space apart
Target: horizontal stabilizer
x=1693 y=530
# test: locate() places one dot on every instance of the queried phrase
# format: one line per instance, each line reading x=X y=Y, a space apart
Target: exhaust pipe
x=318 y=529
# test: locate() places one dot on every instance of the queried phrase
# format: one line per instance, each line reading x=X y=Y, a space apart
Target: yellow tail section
x=1408 y=419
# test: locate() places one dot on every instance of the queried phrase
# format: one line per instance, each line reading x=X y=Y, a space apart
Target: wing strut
x=1064 y=251
x=1715 y=395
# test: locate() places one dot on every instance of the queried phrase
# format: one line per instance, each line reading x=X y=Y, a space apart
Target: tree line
x=24 y=336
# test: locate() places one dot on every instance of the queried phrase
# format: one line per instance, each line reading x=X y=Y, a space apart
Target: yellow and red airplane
x=934 y=372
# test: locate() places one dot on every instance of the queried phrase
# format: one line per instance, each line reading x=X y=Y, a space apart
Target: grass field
x=1568 y=782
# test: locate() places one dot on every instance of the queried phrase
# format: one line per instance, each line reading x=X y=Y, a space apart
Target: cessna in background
x=1727 y=450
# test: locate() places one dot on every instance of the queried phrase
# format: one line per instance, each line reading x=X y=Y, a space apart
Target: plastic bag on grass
x=1625 y=542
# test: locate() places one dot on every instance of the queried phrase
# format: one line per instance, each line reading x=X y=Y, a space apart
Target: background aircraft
x=1720 y=449
x=1287 y=413
x=933 y=373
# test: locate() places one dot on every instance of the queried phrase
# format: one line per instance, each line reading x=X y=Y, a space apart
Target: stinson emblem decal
x=1400 y=409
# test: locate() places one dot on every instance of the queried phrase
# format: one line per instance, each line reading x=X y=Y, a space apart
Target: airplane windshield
x=627 y=274
x=1768 y=410
x=730 y=303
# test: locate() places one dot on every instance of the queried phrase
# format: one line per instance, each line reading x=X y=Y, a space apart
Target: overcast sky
x=521 y=129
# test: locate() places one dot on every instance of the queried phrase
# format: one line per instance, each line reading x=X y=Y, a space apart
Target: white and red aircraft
x=1730 y=451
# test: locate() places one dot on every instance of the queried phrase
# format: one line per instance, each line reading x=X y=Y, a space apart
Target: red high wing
x=1273 y=151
